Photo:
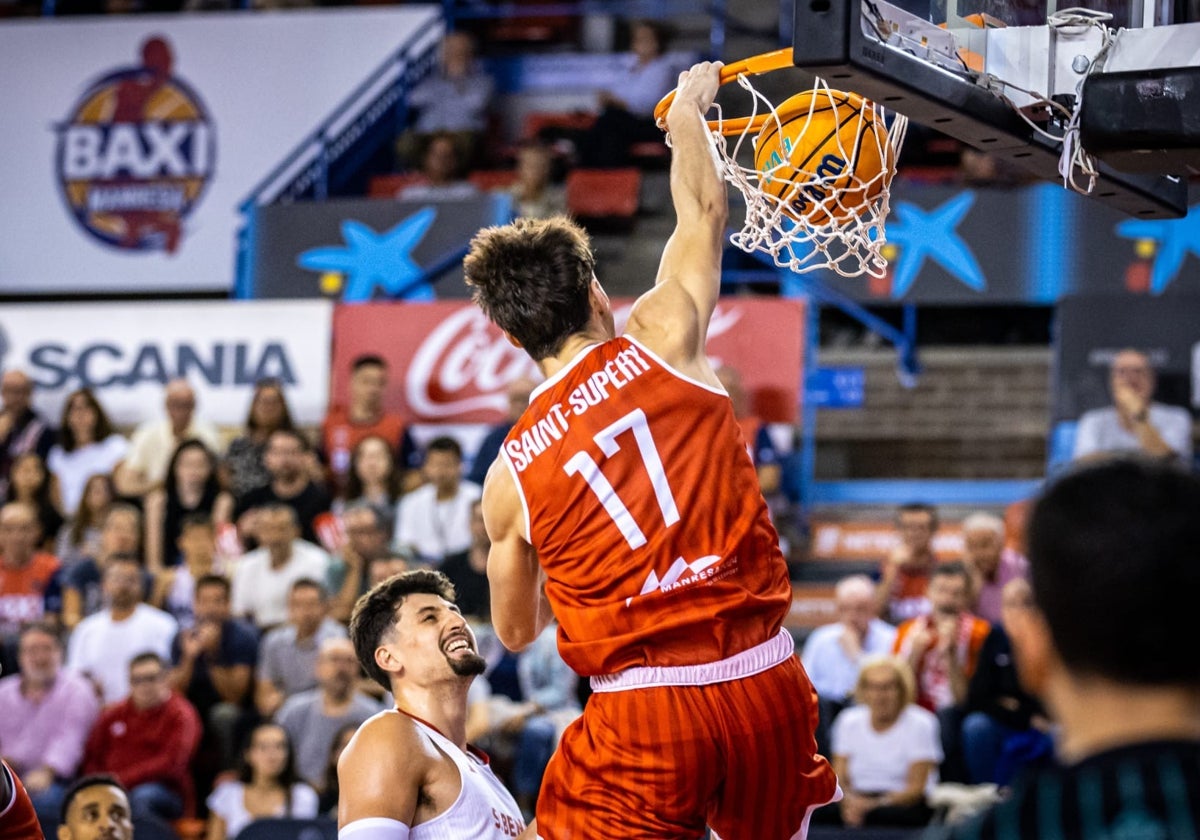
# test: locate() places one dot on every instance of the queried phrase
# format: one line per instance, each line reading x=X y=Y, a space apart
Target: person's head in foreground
x=1115 y=562
x=95 y=808
x=408 y=634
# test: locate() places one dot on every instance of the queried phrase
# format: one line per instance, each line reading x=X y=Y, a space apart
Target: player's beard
x=470 y=665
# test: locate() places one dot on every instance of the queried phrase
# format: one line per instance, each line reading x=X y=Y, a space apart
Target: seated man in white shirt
x=263 y=577
x=1134 y=423
x=832 y=654
x=435 y=520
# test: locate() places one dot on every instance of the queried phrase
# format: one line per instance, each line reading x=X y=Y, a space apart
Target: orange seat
x=603 y=193
x=493 y=179
x=536 y=121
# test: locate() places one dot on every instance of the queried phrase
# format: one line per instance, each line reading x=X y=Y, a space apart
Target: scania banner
x=449 y=364
x=125 y=354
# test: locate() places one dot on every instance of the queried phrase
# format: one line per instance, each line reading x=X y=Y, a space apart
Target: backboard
x=986 y=72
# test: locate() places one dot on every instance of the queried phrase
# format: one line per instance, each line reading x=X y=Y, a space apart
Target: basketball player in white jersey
x=408 y=773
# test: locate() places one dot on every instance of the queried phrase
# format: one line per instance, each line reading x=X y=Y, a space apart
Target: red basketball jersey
x=643 y=504
x=18 y=820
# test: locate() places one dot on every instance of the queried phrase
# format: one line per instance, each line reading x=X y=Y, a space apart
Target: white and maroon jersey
x=644 y=508
x=484 y=809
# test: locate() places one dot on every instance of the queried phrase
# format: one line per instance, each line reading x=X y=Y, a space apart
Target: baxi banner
x=129 y=143
x=125 y=355
x=450 y=365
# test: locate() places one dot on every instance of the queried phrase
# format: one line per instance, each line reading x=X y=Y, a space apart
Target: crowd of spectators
x=181 y=623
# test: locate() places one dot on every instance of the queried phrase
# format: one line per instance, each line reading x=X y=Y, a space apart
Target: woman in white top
x=87 y=446
x=886 y=750
x=266 y=788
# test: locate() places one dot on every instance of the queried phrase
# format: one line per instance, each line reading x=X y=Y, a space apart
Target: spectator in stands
x=45 y=716
x=31 y=483
x=627 y=102
x=453 y=101
x=534 y=194
x=287 y=662
x=518 y=392
x=81 y=538
x=104 y=644
x=374 y=478
x=345 y=426
x=885 y=750
x=94 y=807
x=175 y=587
x=1134 y=422
x=190 y=487
x=441 y=174
x=214 y=666
x=153 y=443
x=758 y=439
x=266 y=787
x=327 y=805
x=81 y=588
x=1005 y=728
x=467 y=570
x=21 y=428
x=834 y=653
x=367 y=537
x=435 y=519
x=263 y=577
x=943 y=648
x=87 y=445
x=990 y=563
x=291 y=485
x=1107 y=647
x=244 y=465
x=313 y=718
x=147 y=741
x=25 y=572
x=904 y=578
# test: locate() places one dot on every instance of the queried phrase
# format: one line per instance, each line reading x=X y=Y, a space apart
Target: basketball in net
x=825 y=162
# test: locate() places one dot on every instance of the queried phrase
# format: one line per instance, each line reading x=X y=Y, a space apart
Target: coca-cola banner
x=449 y=364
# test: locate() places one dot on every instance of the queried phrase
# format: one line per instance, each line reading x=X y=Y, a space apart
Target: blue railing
x=377 y=108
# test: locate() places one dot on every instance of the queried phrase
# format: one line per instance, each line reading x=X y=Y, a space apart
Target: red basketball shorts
x=664 y=761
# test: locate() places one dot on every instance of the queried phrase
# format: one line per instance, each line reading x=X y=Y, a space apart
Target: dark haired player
x=408 y=773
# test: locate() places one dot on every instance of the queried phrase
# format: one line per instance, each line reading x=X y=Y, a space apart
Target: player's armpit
x=513 y=574
x=381 y=771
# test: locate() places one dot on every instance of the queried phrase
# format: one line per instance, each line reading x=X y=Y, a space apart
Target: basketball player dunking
x=625 y=502
x=408 y=774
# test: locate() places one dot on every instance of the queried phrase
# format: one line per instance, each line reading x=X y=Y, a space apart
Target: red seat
x=535 y=121
x=389 y=186
x=493 y=179
x=603 y=193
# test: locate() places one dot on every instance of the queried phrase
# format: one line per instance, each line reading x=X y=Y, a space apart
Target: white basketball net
x=846 y=237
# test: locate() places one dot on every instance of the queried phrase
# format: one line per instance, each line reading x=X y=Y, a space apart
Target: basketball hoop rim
x=755 y=65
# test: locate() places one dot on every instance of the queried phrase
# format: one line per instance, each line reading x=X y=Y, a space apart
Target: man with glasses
x=147 y=742
x=1134 y=422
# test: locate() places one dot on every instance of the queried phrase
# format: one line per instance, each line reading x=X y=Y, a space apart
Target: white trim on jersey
x=512 y=470
x=712 y=388
x=374 y=828
x=749 y=662
x=549 y=382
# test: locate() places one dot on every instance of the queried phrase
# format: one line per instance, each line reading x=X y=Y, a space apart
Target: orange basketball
x=827 y=164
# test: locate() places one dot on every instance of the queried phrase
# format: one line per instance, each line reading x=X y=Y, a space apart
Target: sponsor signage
x=873 y=541
x=449 y=364
x=125 y=354
x=837 y=387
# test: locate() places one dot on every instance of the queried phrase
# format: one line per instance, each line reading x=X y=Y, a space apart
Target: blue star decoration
x=1175 y=238
x=371 y=261
x=921 y=234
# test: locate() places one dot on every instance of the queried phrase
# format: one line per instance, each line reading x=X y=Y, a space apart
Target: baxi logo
x=136 y=153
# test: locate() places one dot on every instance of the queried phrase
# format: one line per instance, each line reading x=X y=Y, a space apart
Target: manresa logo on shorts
x=136 y=153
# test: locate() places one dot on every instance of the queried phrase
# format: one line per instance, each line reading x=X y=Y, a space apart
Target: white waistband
x=747 y=663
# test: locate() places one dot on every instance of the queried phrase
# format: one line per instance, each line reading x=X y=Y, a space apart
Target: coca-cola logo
x=463 y=366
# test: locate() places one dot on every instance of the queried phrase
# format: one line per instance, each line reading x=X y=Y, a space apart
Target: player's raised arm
x=673 y=317
x=519 y=611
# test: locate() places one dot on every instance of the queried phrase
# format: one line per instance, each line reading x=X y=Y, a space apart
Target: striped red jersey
x=643 y=504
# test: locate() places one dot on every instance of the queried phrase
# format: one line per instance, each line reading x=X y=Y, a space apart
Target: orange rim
x=753 y=66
